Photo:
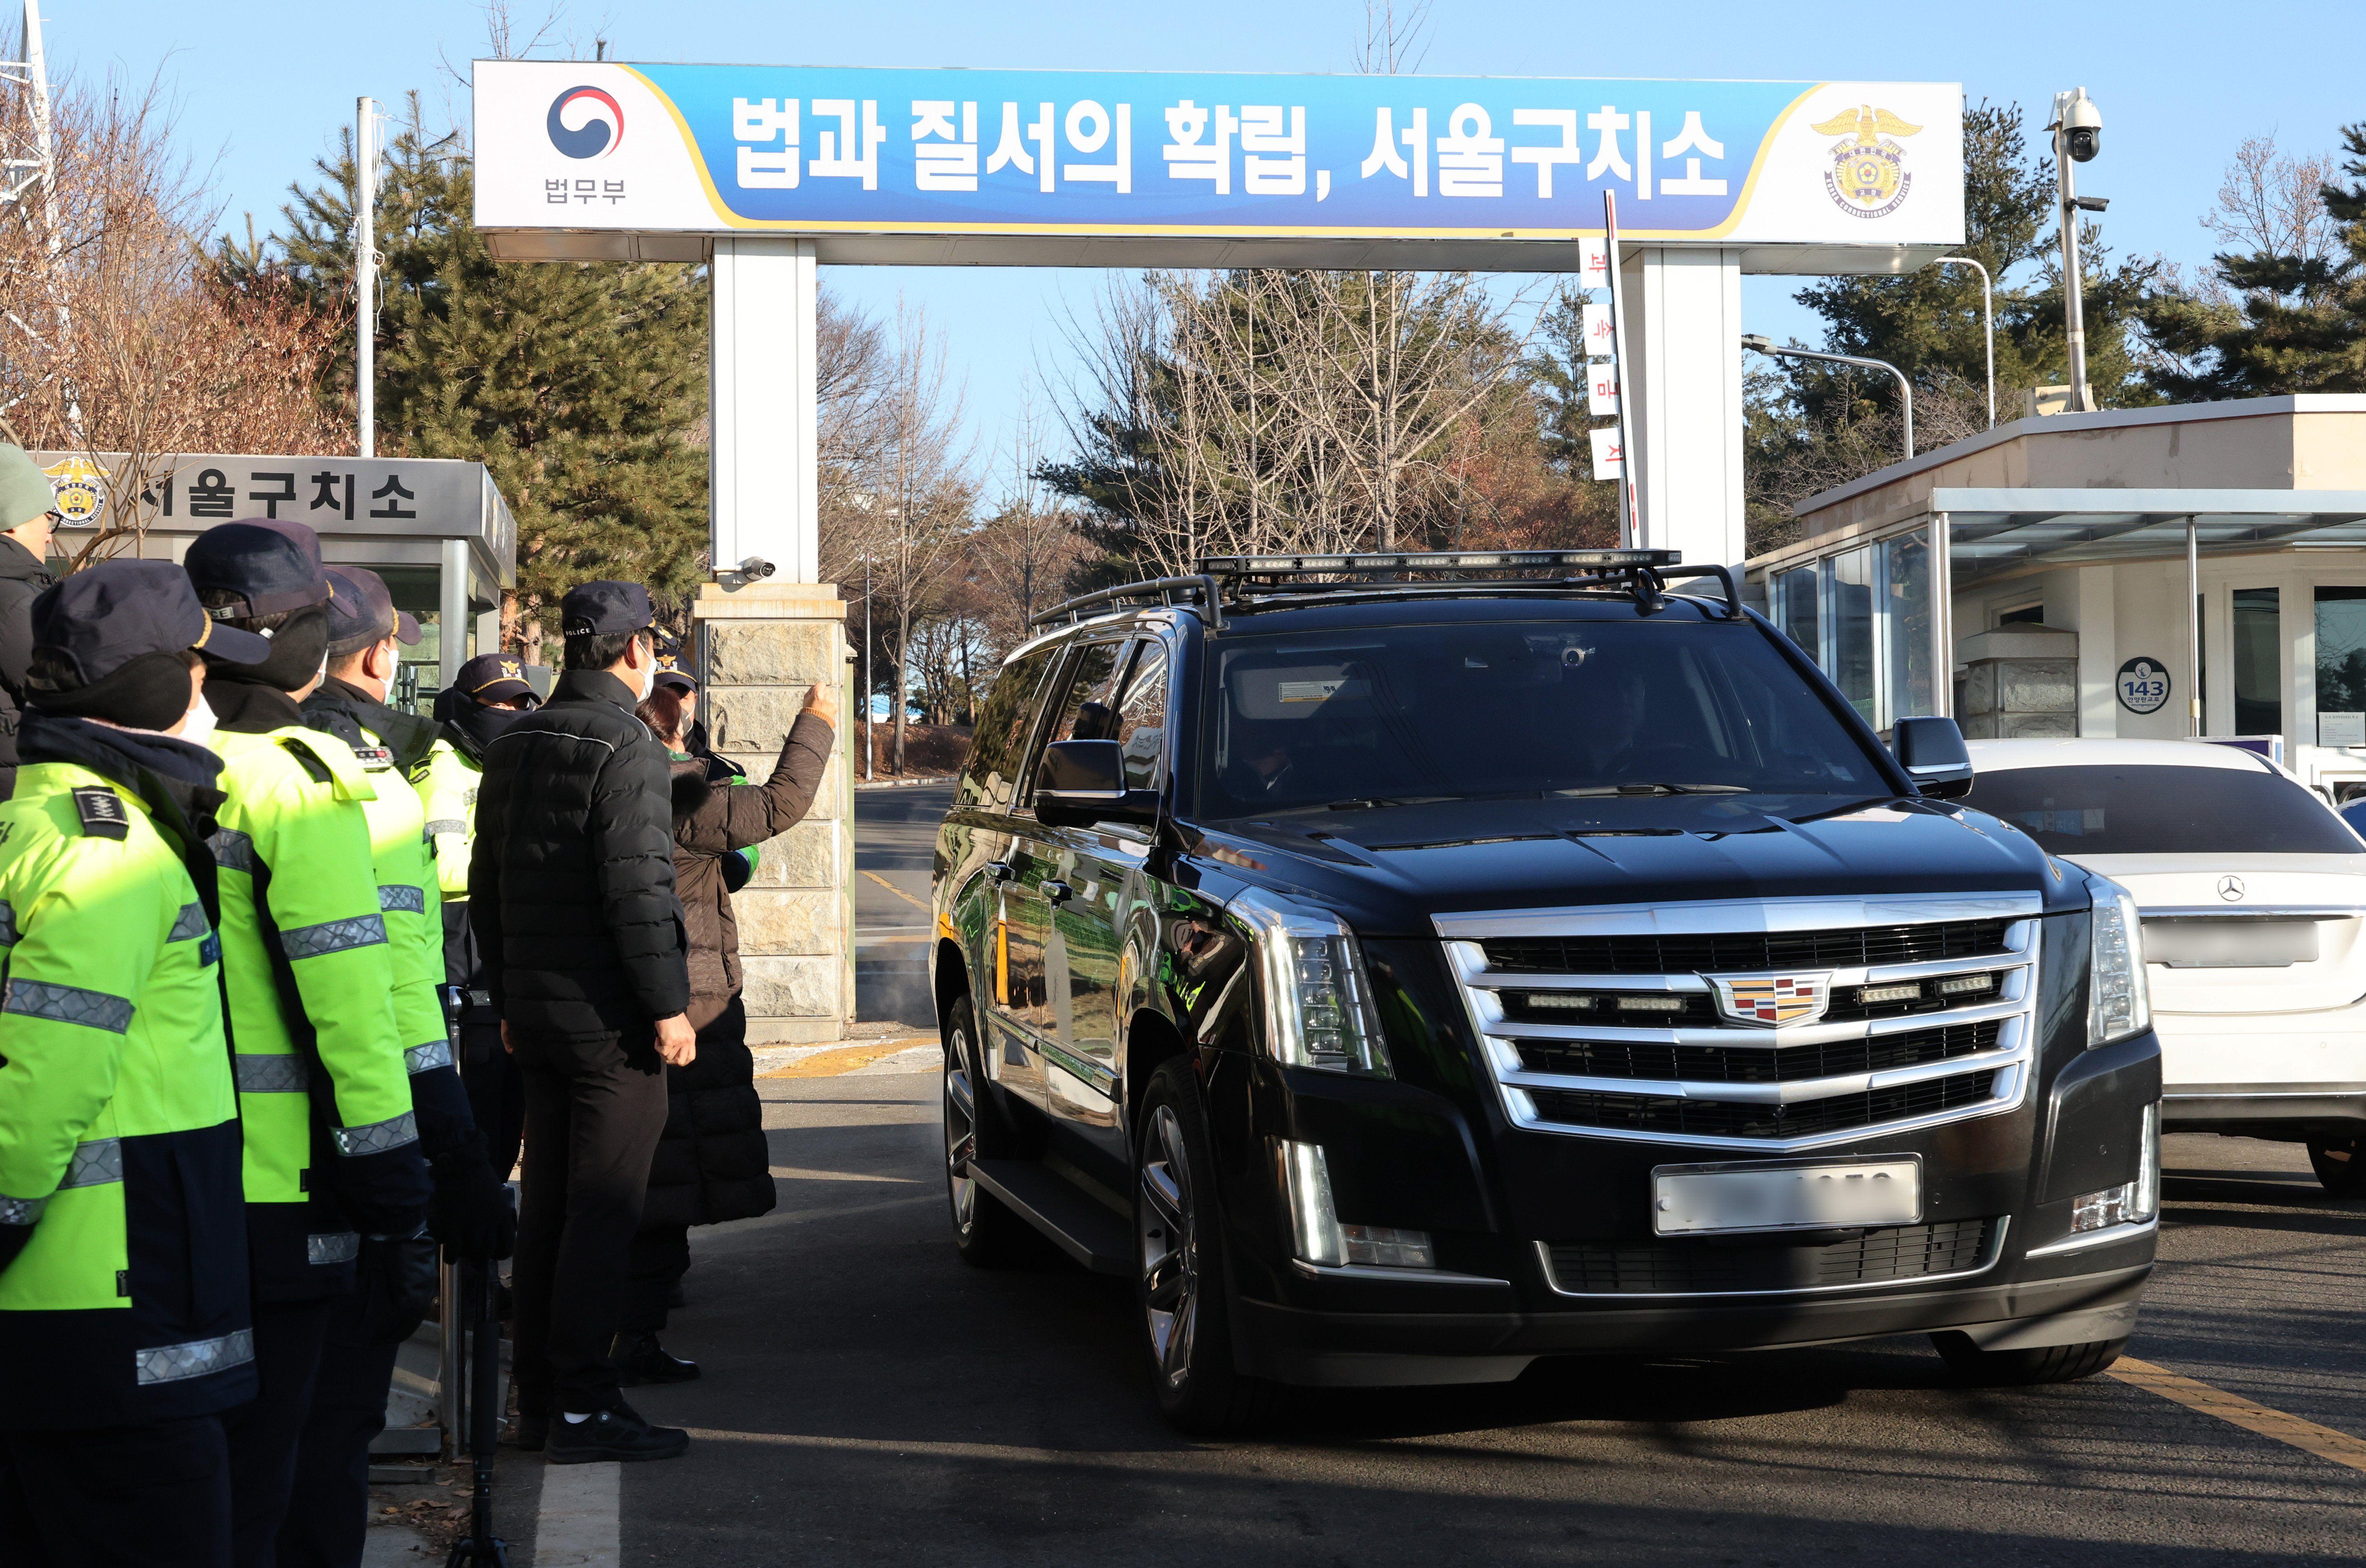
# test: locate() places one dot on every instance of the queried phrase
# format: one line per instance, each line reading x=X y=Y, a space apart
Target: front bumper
x=2291 y=1111
x=1494 y=1342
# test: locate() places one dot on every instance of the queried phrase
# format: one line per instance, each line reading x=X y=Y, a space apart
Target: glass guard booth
x=437 y=530
x=2250 y=605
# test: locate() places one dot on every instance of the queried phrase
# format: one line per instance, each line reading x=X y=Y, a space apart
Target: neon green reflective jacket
x=447 y=793
x=118 y=1133
x=331 y=1146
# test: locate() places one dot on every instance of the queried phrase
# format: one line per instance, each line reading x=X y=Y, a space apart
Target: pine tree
x=579 y=386
x=2293 y=323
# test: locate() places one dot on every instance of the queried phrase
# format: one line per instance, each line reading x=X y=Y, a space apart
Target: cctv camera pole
x=366 y=280
x=867 y=748
x=2073 y=311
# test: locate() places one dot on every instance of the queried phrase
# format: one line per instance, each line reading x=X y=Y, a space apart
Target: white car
x=2253 y=898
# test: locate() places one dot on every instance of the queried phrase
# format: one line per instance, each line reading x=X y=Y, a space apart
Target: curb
x=903 y=784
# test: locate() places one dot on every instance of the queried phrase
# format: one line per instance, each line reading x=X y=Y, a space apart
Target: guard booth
x=437 y=530
x=2194 y=571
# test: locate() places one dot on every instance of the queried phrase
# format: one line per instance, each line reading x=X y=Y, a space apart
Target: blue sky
x=262 y=86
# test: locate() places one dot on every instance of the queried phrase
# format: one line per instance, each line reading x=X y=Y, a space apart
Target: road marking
x=862 y=942
x=2306 y=1435
x=891 y=887
x=576 y=1526
x=846 y=1058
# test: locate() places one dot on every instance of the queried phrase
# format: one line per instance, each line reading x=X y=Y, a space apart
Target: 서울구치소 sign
x=873 y=160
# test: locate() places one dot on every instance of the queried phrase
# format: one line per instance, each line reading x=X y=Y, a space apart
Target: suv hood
x=1387 y=871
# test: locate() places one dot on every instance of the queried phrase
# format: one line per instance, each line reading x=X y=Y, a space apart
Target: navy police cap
x=606 y=609
x=101 y=619
x=361 y=612
x=495 y=678
x=271 y=564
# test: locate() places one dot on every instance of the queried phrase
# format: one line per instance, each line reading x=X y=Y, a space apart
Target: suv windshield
x=2162 y=811
x=1403 y=714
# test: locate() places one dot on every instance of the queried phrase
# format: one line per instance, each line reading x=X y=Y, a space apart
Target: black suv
x=1406 y=967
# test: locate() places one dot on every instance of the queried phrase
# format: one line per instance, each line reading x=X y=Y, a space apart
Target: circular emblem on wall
x=79 y=488
x=2144 y=685
x=1867 y=176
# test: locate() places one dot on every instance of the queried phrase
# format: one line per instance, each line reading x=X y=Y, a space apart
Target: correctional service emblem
x=79 y=487
x=1769 y=1001
x=1868 y=178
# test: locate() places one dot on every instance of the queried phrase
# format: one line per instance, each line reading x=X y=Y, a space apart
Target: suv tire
x=985 y=1232
x=2018 y=1369
x=2340 y=1165
x=1181 y=1286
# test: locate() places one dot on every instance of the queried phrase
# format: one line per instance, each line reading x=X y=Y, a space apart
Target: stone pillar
x=760 y=647
x=2018 y=680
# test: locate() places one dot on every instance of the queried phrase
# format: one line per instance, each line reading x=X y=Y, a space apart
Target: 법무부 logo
x=1867 y=178
x=597 y=135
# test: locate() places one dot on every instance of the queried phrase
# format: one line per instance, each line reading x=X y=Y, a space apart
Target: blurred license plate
x=1700 y=1200
x=2230 y=944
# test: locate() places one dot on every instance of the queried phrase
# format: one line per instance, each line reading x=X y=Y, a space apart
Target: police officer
x=331 y=1145
x=123 y=1283
x=327 y=1517
x=487 y=695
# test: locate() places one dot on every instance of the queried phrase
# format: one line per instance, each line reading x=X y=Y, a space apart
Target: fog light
x=1966 y=984
x=1866 y=996
x=1650 y=1004
x=2131 y=1202
x=2101 y=1210
x=1560 y=1000
x=1318 y=1237
x=1377 y=1246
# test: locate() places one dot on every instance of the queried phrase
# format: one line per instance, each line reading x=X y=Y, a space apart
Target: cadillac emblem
x=1867 y=178
x=1771 y=1001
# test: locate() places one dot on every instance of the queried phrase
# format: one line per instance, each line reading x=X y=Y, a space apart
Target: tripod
x=480 y=1548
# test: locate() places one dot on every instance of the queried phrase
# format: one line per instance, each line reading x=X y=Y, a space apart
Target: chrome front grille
x=1618 y=1049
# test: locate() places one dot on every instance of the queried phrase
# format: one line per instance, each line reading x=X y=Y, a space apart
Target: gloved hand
x=470 y=1213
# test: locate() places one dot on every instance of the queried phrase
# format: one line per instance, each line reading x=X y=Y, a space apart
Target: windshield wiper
x=1365 y=802
x=1604 y=790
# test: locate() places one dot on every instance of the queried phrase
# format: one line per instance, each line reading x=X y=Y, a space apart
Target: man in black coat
x=27 y=514
x=571 y=889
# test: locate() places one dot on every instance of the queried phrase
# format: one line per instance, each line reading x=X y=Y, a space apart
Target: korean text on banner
x=1609 y=456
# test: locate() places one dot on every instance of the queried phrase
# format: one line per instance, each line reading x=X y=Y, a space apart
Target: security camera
x=755 y=569
x=2080 y=124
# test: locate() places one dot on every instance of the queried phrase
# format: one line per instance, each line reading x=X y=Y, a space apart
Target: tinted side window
x=2162 y=811
x=1141 y=715
x=1080 y=703
x=994 y=750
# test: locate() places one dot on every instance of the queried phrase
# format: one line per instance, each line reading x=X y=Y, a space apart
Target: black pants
x=327 y=1515
x=496 y=1094
x=658 y=1259
x=594 y=1112
x=263 y=1435
x=151 y=1497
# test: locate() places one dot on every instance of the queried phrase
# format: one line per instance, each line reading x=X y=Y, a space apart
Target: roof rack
x=1242 y=582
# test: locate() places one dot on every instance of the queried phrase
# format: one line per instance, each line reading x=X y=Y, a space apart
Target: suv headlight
x=1318 y=1002
x=2119 y=1002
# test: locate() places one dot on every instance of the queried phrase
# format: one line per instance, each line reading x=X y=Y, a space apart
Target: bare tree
x=1025 y=553
x=118 y=334
x=2273 y=204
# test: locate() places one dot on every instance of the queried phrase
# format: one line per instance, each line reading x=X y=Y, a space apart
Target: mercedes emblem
x=2230 y=887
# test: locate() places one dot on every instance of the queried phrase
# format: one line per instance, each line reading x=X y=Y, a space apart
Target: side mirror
x=1083 y=782
x=1932 y=752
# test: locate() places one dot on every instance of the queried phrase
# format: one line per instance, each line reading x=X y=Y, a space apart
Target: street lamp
x=1763 y=344
x=2078 y=130
x=1988 y=323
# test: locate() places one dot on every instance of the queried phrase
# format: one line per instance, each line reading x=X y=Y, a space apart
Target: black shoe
x=531 y=1432
x=618 y=1434
x=640 y=1359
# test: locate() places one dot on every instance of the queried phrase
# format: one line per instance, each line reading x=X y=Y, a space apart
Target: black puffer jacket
x=22 y=578
x=714 y=1162
x=571 y=883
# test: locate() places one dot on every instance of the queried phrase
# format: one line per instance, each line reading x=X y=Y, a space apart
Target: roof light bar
x=1435 y=561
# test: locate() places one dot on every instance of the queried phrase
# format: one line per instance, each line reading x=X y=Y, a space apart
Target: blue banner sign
x=793 y=149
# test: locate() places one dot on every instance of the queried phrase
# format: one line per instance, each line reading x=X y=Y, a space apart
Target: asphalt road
x=894 y=832
x=870 y=1400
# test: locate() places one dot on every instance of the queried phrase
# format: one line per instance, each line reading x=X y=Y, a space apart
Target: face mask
x=196 y=726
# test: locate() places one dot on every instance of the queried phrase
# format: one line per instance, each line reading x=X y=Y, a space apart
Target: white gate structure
x=764 y=173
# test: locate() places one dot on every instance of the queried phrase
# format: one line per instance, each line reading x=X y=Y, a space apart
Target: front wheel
x=2340 y=1165
x=1180 y=1291
x=2021 y=1368
x=985 y=1233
